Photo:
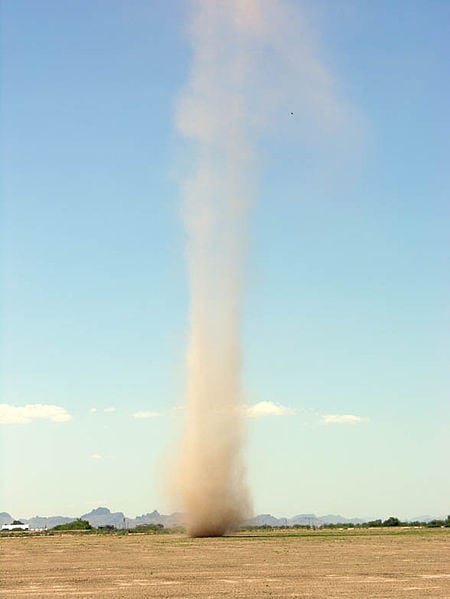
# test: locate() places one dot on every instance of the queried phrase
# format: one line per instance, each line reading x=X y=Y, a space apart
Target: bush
x=77 y=524
x=392 y=521
x=149 y=529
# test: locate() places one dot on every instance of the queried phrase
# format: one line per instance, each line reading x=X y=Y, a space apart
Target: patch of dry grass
x=412 y=564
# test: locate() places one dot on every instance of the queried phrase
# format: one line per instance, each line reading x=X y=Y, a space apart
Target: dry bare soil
x=411 y=564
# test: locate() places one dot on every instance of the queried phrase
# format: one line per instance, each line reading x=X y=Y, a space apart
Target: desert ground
x=405 y=563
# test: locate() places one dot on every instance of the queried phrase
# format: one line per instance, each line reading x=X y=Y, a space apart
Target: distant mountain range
x=102 y=516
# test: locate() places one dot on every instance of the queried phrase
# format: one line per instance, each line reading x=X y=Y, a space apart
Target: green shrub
x=77 y=524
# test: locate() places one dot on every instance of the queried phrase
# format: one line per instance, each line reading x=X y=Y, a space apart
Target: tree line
x=389 y=522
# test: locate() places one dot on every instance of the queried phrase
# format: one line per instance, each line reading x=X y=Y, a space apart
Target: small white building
x=16 y=525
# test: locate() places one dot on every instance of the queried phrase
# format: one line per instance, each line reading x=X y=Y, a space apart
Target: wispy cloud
x=96 y=456
x=108 y=410
x=342 y=419
x=267 y=408
x=24 y=414
x=146 y=414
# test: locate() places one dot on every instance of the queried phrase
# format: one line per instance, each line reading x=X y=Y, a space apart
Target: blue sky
x=347 y=288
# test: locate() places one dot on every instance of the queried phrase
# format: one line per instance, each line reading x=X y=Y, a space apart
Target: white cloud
x=24 y=414
x=342 y=419
x=146 y=414
x=267 y=408
x=93 y=410
x=110 y=409
x=96 y=456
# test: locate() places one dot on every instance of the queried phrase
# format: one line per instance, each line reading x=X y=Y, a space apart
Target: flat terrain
x=412 y=564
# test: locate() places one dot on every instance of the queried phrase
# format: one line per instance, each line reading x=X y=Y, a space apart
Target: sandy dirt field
x=353 y=564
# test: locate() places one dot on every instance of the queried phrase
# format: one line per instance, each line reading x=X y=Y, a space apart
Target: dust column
x=253 y=61
x=214 y=115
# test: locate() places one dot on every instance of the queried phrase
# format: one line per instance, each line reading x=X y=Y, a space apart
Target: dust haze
x=254 y=68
